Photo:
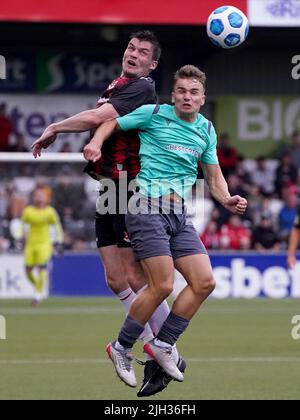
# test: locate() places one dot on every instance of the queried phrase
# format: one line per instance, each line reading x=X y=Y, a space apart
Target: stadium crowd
x=271 y=185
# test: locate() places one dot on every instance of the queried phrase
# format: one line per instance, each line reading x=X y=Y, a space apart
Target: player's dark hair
x=149 y=37
x=190 y=72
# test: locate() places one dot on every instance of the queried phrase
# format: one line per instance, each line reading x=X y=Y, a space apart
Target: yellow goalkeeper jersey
x=39 y=222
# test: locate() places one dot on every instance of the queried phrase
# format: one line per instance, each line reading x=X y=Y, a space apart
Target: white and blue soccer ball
x=227 y=27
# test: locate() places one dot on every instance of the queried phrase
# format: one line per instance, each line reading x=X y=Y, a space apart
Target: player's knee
x=204 y=287
x=209 y=285
x=115 y=283
x=164 y=290
x=135 y=281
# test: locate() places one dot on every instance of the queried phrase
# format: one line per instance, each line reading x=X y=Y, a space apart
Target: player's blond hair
x=190 y=72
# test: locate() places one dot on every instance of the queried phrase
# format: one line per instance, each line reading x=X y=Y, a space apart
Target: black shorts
x=111 y=226
x=111 y=230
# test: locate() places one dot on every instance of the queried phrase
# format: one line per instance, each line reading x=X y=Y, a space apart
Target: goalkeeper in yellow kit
x=37 y=220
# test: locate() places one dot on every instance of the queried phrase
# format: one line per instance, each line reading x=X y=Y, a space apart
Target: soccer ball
x=227 y=27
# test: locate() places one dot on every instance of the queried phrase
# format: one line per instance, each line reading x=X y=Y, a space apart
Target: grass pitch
x=235 y=350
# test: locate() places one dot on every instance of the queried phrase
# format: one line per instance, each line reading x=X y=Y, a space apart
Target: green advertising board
x=257 y=125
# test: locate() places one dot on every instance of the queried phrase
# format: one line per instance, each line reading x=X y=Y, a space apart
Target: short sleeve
x=210 y=156
x=138 y=119
x=133 y=95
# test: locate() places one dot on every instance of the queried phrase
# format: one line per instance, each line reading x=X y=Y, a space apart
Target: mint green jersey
x=170 y=149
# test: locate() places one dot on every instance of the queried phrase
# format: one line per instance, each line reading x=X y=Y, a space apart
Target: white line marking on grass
x=94 y=310
x=245 y=360
x=191 y=360
x=61 y=311
x=54 y=362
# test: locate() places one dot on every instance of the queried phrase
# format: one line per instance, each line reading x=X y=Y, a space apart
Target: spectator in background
x=4 y=242
x=211 y=236
x=264 y=237
x=236 y=188
x=287 y=215
x=217 y=217
x=16 y=202
x=286 y=174
x=242 y=172
x=255 y=200
x=66 y=148
x=6 y=129
x=227 y=155
x=4 y=234
x=3 y=203
x=263 y=176
x=273 y=206
x=19 y=146
x=65 y=198
x=235 y=235
x=293 y=149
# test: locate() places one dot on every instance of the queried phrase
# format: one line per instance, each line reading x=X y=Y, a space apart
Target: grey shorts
x=156 y=230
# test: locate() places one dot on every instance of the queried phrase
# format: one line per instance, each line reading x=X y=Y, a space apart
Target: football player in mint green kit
x=173 y=140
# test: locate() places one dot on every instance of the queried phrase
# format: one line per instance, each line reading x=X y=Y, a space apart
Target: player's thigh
x=111 y=259
x=197 y=271
x=133 y=270
x=43 y=254
x=160 y=273
x=29 y=256
x=186 y=242
x=149 y=236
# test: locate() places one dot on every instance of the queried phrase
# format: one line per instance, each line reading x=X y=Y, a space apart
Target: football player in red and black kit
x=120 y=155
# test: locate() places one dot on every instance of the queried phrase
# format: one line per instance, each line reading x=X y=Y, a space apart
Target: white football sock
x=158 y=318
x=127 y=297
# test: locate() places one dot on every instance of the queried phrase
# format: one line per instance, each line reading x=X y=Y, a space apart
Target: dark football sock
x=130 y=332
x=172 y=329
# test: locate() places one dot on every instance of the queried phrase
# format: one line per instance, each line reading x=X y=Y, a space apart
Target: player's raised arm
x=219 y=190
x=84 y=121
x=139 y=118
x=92 y=151
x=59 y=232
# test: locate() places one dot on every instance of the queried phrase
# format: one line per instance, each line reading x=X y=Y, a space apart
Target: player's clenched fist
x=92 y=152
x=237 y=205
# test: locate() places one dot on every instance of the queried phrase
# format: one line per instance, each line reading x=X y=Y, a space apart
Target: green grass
x=236 y=350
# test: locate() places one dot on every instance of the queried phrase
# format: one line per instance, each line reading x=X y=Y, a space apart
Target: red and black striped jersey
x=121 y=151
